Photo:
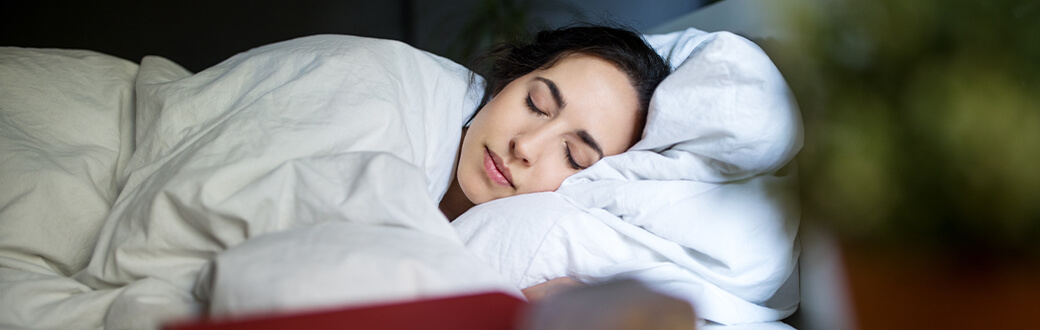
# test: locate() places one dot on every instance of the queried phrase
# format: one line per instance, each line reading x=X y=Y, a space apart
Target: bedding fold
x=65 y=121
x=63 y=118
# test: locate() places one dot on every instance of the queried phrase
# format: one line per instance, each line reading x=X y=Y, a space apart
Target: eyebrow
x=560 y=102
x=590 y=141
x=555 y=91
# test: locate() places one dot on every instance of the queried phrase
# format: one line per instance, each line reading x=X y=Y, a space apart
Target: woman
x=551 y=108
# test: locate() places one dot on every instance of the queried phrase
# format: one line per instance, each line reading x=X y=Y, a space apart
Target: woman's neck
x=455 y=202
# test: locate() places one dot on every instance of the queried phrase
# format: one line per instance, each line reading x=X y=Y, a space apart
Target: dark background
x=199 y=34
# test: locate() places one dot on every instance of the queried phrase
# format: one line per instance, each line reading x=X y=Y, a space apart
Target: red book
x=481 y=311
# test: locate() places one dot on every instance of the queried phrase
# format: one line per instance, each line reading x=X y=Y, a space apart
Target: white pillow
x=66 y=130
x=724 y=114
x=702 y=207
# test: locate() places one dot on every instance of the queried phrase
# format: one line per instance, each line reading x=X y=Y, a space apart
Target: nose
x=529 y=147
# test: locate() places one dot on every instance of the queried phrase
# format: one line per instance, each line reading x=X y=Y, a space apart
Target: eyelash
x=566 y=148
x=570 y=159
x=530 y=105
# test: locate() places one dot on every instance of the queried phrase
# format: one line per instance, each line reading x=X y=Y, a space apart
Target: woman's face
x=547 y=125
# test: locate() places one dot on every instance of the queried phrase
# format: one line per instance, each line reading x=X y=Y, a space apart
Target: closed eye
x=530 y=105
x=570 y=159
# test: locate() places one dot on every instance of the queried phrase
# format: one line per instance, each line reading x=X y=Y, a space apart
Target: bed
x=304 y=175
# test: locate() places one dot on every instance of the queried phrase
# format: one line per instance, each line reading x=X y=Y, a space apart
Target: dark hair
x=624 y=48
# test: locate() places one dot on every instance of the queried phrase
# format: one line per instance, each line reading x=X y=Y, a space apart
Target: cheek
x=480 y=128
x=497 y=114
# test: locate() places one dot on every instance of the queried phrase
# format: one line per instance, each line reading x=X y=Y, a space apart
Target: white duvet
x=337 y=147
x=305 y=174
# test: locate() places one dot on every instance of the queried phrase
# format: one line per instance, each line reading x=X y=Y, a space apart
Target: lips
x=495 y=170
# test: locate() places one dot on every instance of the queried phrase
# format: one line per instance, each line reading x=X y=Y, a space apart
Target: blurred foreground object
x=922 y=144
x=625 y=304
x=479 y=311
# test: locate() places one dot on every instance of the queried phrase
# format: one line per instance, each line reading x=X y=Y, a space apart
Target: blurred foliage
x=922 y=121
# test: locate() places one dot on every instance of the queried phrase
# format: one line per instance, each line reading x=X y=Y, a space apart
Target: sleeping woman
x=552 y=108
x=269 y=180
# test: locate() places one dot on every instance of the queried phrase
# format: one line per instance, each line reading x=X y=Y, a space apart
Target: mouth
x=495 y=170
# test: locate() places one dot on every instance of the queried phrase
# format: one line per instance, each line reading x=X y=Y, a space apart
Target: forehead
x=599 y=99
